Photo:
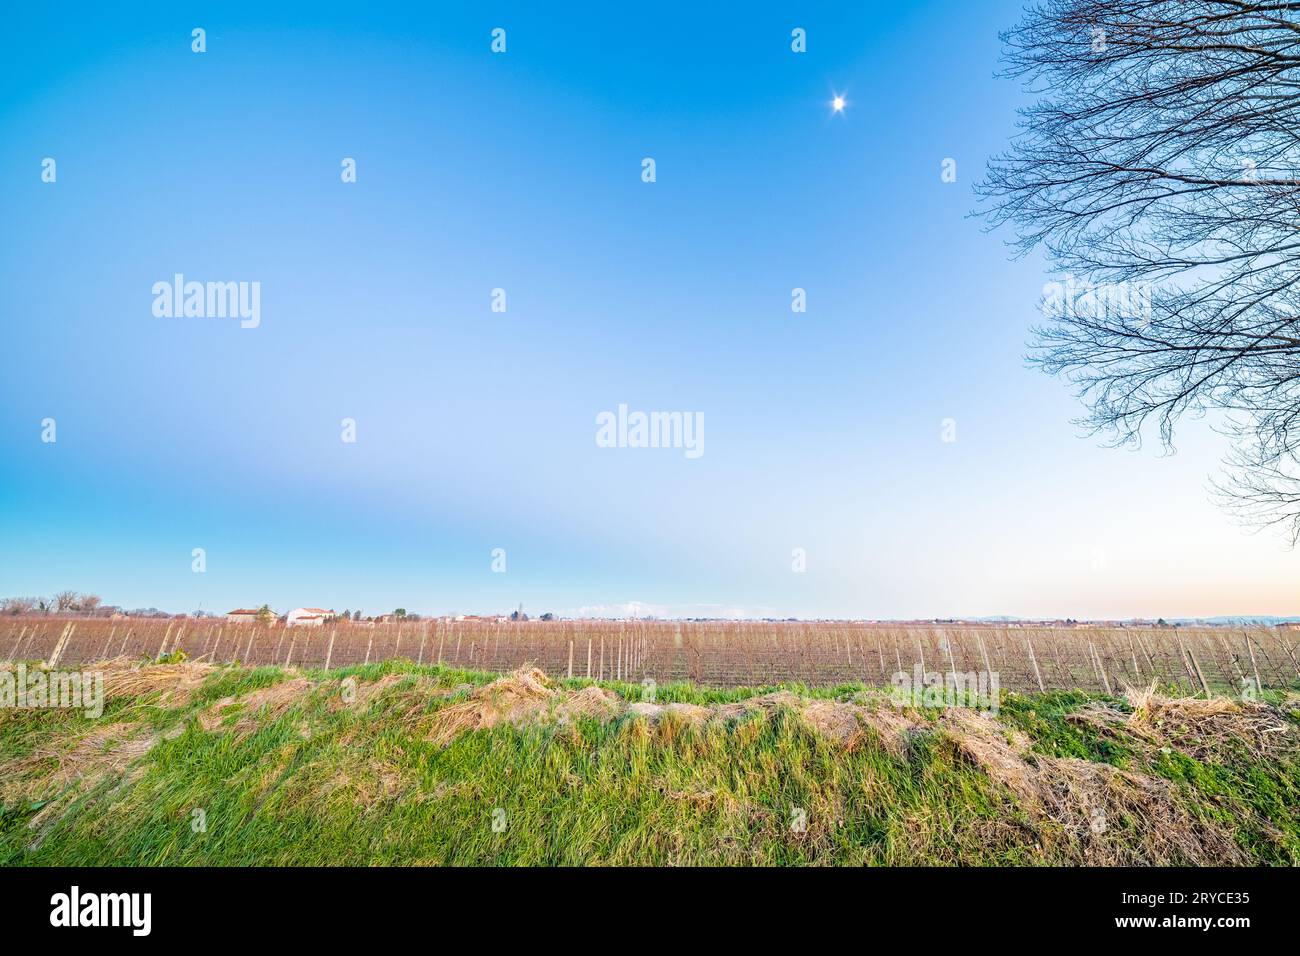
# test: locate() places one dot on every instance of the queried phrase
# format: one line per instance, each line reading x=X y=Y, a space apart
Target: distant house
x=242 y=615
x=307 y=617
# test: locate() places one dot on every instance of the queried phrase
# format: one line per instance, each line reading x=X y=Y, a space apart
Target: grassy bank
x=401 y=764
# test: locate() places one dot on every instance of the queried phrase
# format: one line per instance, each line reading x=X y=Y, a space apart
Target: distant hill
x=1244 y=620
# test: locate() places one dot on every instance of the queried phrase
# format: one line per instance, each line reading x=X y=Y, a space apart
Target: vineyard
x=1195 y=660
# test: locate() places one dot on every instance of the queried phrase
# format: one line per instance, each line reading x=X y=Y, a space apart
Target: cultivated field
x=711 y=654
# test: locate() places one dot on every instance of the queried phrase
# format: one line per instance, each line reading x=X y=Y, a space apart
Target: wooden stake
x=1187 y=665
x=1254 y=665
x=1067 y=680
x=13 y=655
x=1196 y=664
x=103 y=655
x=1231 y=658
x=163 y=646
x=27 y=647
x=1151 y=661
x=1286 y=647
x=59 y=646
x=1034 y=660
x=988 y=668
x=1096 y=659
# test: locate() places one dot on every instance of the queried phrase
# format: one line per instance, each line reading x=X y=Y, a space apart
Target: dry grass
x=523 y=696
x=174 y=683
x=255 y=707
x=1074 y=802
x=1070 y=803
x=527 y=696
x=1203 y=728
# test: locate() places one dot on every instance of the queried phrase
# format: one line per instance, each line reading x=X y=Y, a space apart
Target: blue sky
x=476 y=429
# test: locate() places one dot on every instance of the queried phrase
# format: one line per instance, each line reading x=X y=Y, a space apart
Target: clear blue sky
x=475 y=429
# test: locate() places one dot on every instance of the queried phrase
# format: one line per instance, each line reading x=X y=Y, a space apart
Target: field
x=406 y=763
x=656 y=743
x=712 y=654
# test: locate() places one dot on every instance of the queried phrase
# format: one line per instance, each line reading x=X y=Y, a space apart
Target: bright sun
x=838 y=104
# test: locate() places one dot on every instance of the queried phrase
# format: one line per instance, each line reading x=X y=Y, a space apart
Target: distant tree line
x=72 y=602
x=63 y=602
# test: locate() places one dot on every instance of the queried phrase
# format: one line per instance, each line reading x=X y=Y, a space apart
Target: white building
x=307 y=617
x=242 y=615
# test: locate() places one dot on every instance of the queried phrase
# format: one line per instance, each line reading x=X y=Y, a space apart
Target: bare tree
x=65 y=601
x=1158 y=171
x=89 y=602
x=17 y=605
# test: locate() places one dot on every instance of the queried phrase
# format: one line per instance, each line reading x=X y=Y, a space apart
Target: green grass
x=323 y=783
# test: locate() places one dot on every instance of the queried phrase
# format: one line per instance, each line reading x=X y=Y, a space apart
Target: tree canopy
x=1157 y=168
